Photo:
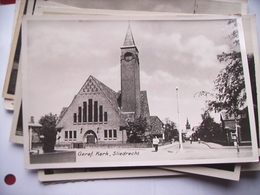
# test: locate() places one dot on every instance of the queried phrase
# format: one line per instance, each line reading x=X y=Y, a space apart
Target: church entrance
x=90 y=137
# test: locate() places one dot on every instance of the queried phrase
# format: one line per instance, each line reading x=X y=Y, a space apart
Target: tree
x=230 y=93
x=171 y=131
x=209 y=130
x=229 y=85
x=136 y=130
x=48 y=131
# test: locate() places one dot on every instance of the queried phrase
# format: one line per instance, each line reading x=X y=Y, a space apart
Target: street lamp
x=178 y=126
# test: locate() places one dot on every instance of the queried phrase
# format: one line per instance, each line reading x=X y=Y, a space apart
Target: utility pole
x=178 y=126
x=237 y=138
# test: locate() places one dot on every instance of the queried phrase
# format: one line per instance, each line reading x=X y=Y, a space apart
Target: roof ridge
x=99 y=82
x=101 y=86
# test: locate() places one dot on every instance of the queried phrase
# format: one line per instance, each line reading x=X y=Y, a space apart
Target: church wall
x=99 y=128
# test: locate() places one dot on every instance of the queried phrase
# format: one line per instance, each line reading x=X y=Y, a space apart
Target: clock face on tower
x=128 y=56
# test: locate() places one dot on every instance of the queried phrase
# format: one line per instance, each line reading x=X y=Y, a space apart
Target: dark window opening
x=100 y=113
x=110 y=133
x=70 y=134
x=105 y=116
x=114 y=133
x=90 y=110
x=74 y=117
x=66 y=134
x=75 y=134
x=84 y=111
x=79 y=114
x=105 y=133
x=95 y=111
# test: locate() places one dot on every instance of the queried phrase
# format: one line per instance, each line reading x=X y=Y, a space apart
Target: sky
x=183 y=54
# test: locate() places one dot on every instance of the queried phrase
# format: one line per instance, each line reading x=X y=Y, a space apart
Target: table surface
x=12 y=161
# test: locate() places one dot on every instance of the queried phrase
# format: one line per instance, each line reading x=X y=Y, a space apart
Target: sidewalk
x=218 y=146
x=199 y=146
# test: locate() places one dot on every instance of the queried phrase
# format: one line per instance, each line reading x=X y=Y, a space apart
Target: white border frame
x=254 y=157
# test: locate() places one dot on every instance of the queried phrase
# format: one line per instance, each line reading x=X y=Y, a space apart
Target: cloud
x=110 y=77
x=162 y=78
x=176 y=53
x=203 y=51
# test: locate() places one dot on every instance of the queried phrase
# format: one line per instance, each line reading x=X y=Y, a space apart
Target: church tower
x=187 y=125
x=130 y=75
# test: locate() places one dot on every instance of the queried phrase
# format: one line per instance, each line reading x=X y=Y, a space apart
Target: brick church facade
x=99 y=115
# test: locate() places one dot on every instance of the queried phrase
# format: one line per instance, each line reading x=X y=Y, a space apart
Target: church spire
x=187 y=124
x=129 y=39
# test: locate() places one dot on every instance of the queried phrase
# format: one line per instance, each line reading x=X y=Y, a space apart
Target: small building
x=35 y=138
x=241 y=123
x=156 y=127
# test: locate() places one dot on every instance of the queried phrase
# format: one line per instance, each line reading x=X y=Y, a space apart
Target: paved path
x=204 y=151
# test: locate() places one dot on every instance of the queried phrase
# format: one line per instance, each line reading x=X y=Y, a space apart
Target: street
x=205 y=150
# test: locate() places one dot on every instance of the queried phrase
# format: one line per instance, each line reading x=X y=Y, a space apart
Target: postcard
x=14 y=57
x=100 y=101
x=225 y=7
x=67 y=175
x=223 y=171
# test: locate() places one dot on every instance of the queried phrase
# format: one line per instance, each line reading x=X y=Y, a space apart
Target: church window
x=95 y=111
x=79 y=114
x=70 y=135
x=105 y=134
x=75 y=117
x=110 y=133
x=128 y=56
x=66 y=135
x=105 y=116
x=84 y=111
x=100 y=113
x=75 y=134
x=90 y=102
x=114 y=133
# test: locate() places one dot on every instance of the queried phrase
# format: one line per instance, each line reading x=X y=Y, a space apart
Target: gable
x=156 y=125
x=92 y=89
x=89 y=87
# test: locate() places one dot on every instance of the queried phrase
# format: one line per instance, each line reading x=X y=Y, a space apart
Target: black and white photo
x=118 y=84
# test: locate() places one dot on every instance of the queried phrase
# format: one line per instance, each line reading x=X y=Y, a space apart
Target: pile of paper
x=119 y=89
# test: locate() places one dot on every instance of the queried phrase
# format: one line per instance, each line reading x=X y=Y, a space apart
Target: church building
x=98 y=114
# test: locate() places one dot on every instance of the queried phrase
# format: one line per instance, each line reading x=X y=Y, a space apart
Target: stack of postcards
x=115 y=89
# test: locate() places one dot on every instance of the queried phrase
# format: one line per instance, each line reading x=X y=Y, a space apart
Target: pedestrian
x=155 y=143
x=190 y=140
x=199 y=140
